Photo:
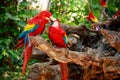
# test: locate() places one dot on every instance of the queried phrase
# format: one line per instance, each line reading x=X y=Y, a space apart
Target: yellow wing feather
x=95 y=20
x=29 y=27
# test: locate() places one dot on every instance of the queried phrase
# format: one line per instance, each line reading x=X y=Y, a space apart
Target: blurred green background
x=15 y=13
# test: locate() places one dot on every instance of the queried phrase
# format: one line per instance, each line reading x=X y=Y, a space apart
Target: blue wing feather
x=36 y=26
x=25 y=40
x=65 y=39
x=24 y=34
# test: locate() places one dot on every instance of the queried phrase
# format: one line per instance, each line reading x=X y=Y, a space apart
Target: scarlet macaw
x=34 y=26
x=92 y=19
x=116 y=14
x=103 y=3
x=58 y=38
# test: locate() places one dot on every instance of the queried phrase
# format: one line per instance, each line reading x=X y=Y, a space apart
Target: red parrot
x=103 y=3
x=34 y=26
x=92 y=19
x=116 y=14
x=58 y=38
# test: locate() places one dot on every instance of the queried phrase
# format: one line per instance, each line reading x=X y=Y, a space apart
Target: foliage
x=12 y=20
x=69 y=11
x=14 y=15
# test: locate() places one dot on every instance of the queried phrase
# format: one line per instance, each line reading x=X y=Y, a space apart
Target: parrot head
x=42 y=16
x=92 y=18
x=103 y=3
x=55 y=22
x=45 y=15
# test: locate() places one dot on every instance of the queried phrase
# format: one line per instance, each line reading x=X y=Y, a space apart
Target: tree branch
x=112 y=37
x=63 y=55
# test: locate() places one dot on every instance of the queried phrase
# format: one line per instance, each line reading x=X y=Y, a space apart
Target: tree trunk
x=44 y=4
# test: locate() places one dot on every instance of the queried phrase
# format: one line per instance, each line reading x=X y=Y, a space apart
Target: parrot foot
x=67 y=51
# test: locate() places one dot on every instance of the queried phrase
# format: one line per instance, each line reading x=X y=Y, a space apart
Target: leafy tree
x=13 y=17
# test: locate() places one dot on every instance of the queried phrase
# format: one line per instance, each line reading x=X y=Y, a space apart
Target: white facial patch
x=55 y=24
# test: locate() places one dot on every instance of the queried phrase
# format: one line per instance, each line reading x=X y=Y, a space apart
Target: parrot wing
x=37 y=19
x=65 y=38
x=23 y=37
x=27 y=29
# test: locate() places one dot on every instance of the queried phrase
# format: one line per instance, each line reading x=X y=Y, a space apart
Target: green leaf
x=14 y=54
x=5 y=53
x=11 y=17
x=1 y=56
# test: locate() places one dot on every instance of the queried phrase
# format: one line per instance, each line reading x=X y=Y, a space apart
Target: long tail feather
x=19 y=44
x=25 y=40
x=27 y=56
x=64 y=71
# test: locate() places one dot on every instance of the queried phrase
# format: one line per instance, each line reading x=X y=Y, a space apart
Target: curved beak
x=52 y=18
x=47 y=18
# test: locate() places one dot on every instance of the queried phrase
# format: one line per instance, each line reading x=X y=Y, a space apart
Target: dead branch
x=61 y=55
x=79 y=30
x=64 y=55
x=37 y=53
x=107 y=66
x=105 y=14
x=99 y=65
x=112 y=37
x=43 y=71
x=101 y=23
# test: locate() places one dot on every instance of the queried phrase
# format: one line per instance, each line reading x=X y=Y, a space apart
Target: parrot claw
x=67 y=50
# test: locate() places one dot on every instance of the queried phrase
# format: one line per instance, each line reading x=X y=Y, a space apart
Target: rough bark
x=112 y=37
x=92 y=65
x=43 y=71
x=92 y=55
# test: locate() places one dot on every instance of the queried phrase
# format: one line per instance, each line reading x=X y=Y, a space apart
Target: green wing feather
x=65 y=38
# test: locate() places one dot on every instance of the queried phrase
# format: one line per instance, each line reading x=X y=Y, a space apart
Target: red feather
x=27 y=55
x=56 y=34
x=90 y=17
x=116 y=14
x=19 y=44
x=35 y=20
x=103 y=3
x=40 y=17
x=39 y=30
x=64 y=70
x=40 y=20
